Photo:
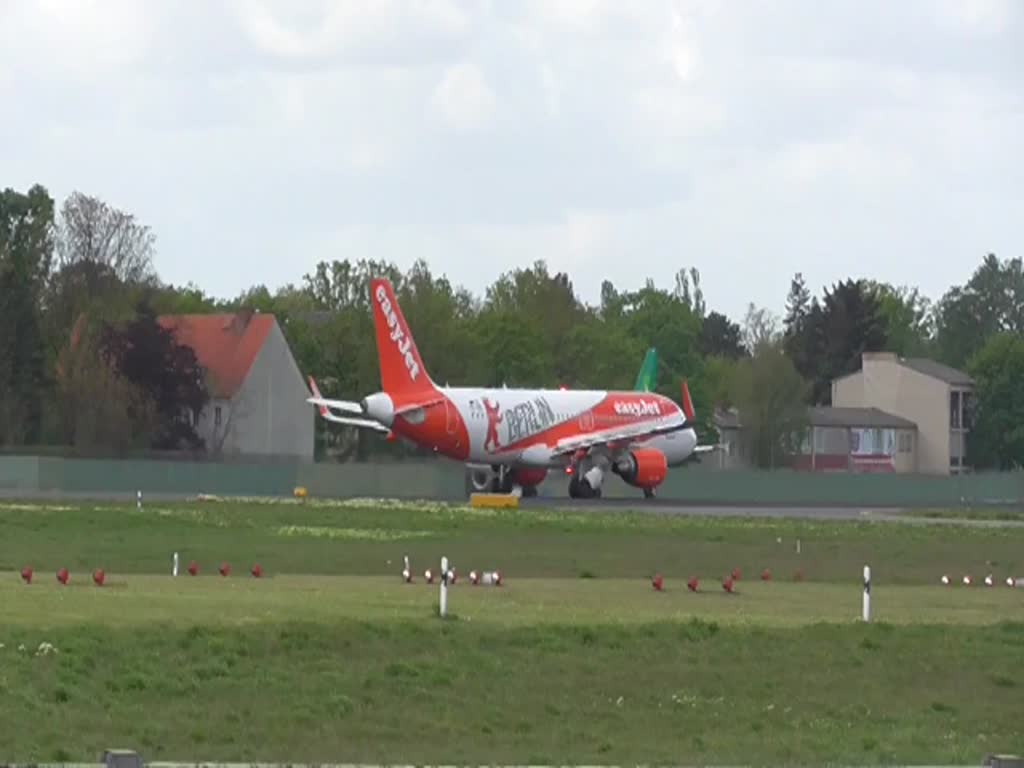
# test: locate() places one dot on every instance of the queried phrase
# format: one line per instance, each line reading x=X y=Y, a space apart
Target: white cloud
x=618 y=140
x=78 y=40
x=463 y=98
x=328 y=28
x=975 y=17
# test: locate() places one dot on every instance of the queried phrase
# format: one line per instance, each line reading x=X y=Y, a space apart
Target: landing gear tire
x=529 y=491
x=580 y=489
x=648 y=493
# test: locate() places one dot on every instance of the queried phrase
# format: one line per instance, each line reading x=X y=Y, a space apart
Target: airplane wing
x=611 y=438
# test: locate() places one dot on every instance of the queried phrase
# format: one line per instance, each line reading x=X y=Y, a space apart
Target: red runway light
x=693 y=584
x=99 y=577
x=225 y=569
x=193 y=568
x=257 y=571
x=26 y=575
x=727 y=585
x=657 y=582
x=766 y=575
x=63 y=575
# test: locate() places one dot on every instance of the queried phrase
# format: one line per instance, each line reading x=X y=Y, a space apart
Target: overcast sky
x=750 y=139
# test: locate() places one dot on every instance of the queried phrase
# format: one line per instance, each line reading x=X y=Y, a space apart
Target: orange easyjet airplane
x=511 y=438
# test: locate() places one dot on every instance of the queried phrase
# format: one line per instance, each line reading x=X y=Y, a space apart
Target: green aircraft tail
x=648 y=372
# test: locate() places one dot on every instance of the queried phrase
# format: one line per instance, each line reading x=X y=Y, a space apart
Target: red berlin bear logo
x=493 y=420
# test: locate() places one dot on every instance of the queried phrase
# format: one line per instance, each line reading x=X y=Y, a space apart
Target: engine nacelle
x=379 y=406
x=642 y=468
x=529 y=478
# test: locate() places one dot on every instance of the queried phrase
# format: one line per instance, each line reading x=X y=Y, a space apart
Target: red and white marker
x=428 y=576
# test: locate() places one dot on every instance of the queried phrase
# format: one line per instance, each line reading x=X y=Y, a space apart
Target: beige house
x=934 y=397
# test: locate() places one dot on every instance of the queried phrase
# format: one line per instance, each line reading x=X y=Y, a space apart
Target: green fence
x=34 y=475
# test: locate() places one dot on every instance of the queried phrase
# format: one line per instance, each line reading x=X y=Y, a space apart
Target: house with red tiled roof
x=257 y=392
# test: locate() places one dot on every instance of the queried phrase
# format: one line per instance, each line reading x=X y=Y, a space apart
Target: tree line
x=84 y=363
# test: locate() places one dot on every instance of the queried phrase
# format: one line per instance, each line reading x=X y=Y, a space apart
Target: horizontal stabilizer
x=340 y=405
x=362 y=423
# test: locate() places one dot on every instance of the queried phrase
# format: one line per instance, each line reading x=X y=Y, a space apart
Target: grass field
x=575 y=658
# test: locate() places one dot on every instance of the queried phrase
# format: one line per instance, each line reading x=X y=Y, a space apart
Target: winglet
x=687 y=402
x=316 y=393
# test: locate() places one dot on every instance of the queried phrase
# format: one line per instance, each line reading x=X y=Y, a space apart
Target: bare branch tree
x=93 y=232
x=760 y=328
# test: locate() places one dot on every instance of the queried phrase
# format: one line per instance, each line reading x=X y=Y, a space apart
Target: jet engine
x=643 y=468
x=529 y=478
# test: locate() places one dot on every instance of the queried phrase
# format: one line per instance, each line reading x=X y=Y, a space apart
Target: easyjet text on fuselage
x=637 y=408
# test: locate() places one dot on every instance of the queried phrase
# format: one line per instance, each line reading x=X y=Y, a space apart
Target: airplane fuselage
x=522 y=427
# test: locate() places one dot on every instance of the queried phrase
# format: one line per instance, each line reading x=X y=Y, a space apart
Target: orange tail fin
x=687 y=402
x=402 y=371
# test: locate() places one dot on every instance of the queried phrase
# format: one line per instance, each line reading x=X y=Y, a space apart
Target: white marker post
x=175 y=564
x=444 y=587
x=867 y=593
x=138 y=499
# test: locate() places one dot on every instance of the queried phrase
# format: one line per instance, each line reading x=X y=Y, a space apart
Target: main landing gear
x=587 y=485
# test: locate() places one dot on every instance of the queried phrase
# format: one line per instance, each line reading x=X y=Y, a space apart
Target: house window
x=906 y=442
x=216 y=416
x=967 y=401
x=954 y=410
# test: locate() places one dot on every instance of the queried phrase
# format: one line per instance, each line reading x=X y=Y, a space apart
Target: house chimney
x=241 y=319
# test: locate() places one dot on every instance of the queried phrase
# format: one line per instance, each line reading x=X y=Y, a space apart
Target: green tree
x=598 y=355
x=721 y=337
x=991 y=302
x=849 y=324
x=908 y=319
x=26 y=255
x=996 y=438
x=719 y=374
x=512 y=351
x=800 y=341
x=770 y=396
x=536 y=296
